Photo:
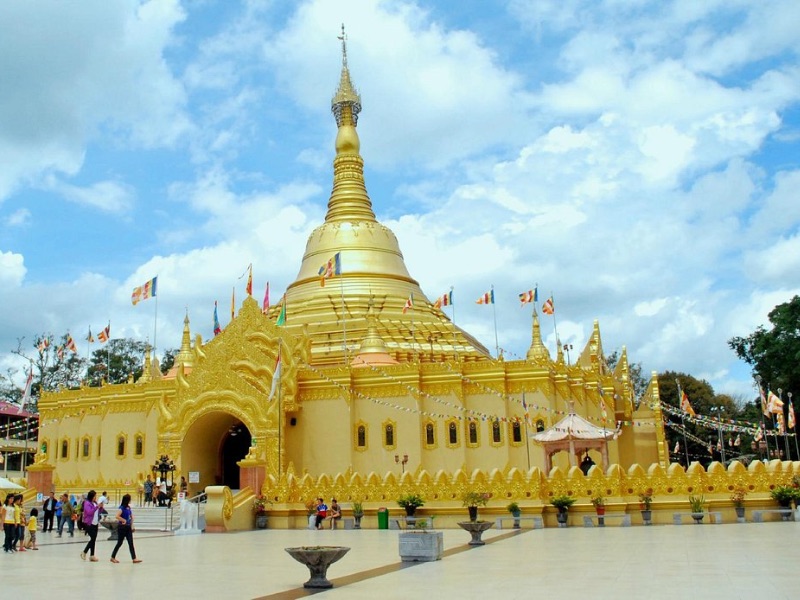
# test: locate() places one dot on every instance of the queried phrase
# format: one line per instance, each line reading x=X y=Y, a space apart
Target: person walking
x=19 y=523
x=7 y=517
x=49 y=508
x=125 y=529
x=91 y=518
x=31 y=543
x=67 y=516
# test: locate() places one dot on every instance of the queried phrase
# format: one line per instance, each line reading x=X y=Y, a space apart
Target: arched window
x=516 y=432
x=86 y=446
x=452 y=432
x=65 y=449
x=121 y=445
x=496 y=435
x=430 y=437
x=539 y=425
x=139 y=445
x=389 y=435
x=361 y=437
x=472 y=428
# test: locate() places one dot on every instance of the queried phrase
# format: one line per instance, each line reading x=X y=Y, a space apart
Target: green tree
x=116 y=361
x=639 y=381
x=774 y=354
x=54 y=365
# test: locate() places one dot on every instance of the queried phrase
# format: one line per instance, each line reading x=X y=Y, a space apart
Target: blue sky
x=638 y=159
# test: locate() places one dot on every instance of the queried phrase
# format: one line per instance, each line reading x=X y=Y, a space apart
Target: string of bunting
x=727 y=425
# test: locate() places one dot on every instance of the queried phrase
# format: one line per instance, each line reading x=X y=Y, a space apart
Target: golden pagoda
x=364 y=370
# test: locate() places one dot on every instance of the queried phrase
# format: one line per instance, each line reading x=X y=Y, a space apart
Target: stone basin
x=476 y=529
x=317 y=559
x=112 y=525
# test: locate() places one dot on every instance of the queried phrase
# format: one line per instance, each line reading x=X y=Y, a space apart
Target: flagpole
x=280 y=420
x=683 y=423
x=555 y=325
x=791 y=408
x=785 y=428
x=763 y=402
x=155 y=324
x=108 y=354
x=494 y=313
x=455 y=330
x=527 y=440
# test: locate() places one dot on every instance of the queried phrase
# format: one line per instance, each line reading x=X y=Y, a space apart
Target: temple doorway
x=212 y=446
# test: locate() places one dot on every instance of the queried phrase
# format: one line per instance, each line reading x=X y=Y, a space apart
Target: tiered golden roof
x=372 y=269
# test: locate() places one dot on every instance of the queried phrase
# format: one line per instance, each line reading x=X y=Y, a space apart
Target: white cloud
x=18 y=218
x=107 y=196
x=12 y=269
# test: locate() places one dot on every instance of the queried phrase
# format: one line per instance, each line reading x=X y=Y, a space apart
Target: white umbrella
x=7 y=484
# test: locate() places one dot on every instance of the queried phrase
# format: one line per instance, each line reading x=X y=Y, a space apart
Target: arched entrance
x=212 y=446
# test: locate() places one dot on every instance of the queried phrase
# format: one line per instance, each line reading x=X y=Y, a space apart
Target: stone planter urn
x=473 y=513
x=698 y=517
x=475 y=529
x=357 y=520
x=647 y=517
x=261 y=521
x=516 y=514
x=561 y=517
x=739 y=514
x=111 y=525
x=421 y=545
x=317 y=559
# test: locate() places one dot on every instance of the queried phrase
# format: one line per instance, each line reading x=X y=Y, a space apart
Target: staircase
x=148 y=518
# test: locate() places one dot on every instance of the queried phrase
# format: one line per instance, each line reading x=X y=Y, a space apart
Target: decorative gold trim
x=451 y=425
x=389 y=423
x=470 y=426
x=358 y=424
x=432 y=424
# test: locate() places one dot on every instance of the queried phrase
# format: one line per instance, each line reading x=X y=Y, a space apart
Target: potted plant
x=311 y=513
x=260 y=506
x=599 y=504
x=562 y=503
x=410 y=502
x=697 y=504
x=358 y=513
x=784 y=495
x=513 y=508
x=472 y=500
x=645 y=501
x=737 y=497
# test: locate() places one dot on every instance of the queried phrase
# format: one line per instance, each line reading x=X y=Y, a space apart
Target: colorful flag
x=487 y=298
x=71 y=344
x=249 y=287
x=90 y=337
x=104 y=334
x=276 y=376
x=781 y=424
x=60 y=352
x=331 y=268
x=759 y=435
x=677 y=447
x=282 y=315
x=26 y=392
x=217 y=328
x=409 y=303
x=603 y=411
x=685 y=406
x=265 y=304
x=526 y=297
x=764 y=408
x=525 y=409
x=774 y=404
x=444 y=300
x=43 y=345
x=548 y=307
x=144 y=291
x=792 y=422
x=738 y=441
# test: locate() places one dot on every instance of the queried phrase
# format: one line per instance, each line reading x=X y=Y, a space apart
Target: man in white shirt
x=101 y=503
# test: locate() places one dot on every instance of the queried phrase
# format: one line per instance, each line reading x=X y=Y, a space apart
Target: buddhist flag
x=26 y=392
x=282 y=315
x=444 y=300
x=764 y=407
x=409 y=303
x=738 y=441
x=774 y=404
x=249 y=287
x=677 y=447
x=525 y=408
x=60 y=352
x=104 y=334
x=548 y=307
x=487 y=298
x=276 y=376
x=759 y=435
x=526 y=297
x=685 y=406
x=90 y=337
x=330 y=268
x=792 y=422
x=144 y=291
x=265 y=304
x=43 y=345
x=217 y=328
x=781 y=424
x=71 y=344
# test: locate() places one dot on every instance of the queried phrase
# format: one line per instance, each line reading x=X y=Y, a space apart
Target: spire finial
x=343 y=38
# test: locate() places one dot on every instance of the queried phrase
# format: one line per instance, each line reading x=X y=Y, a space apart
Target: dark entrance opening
x=235 y=447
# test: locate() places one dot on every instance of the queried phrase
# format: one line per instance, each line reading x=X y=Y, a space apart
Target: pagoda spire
x=185 y=356
x=349 y=200
x=538 y=352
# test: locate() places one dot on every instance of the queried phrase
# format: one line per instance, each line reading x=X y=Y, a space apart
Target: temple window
x=120 y=446
x=389 y=434
x=430 y=438
x=496 y=432
x=452 y=433
x=138 y=445
x=65 y=450
x=539 y=425
x=86 y=448
x=360 y=433
x=472 y=433
x=516 y=432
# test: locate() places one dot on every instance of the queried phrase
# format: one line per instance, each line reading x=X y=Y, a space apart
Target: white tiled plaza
x=747 y=561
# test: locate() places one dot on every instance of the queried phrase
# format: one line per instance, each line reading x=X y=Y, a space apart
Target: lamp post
x=402 y=461
x=567 y=348
x=721 y=442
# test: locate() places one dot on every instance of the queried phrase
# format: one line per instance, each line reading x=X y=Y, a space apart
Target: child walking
x=31 y=544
